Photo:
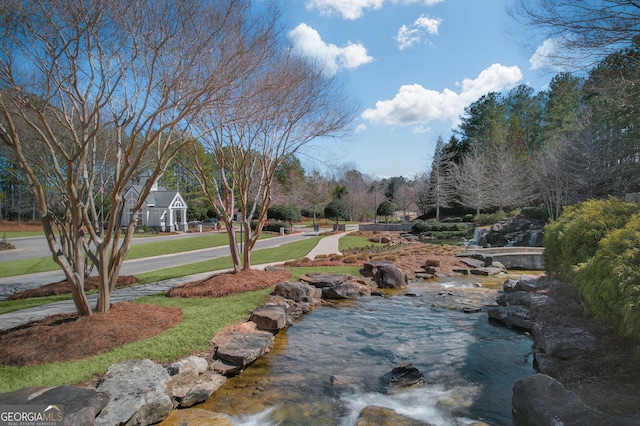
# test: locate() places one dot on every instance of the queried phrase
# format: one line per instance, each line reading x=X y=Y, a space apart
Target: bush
x=573 y=239
x=439 y=229
x=275 y=227
x=489 y=218
x=610 y=280
x=284 y=213
x=535 y=212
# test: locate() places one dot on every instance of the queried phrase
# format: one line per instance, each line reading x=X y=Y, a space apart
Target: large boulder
x=238 y=349
x=524 y=298
x=138 y=392
x=513 y=316
x=189 y=389
x=322 y=280
x=542 y=400
x=563 y=342
x=526 y=282
x=300 y=292
x=345 y=290
x=385 y=274
x=270 y=317
x=189 y=365
x=81 y=406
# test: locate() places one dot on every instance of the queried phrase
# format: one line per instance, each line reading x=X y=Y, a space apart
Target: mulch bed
x=66 y=337
x=224 y=284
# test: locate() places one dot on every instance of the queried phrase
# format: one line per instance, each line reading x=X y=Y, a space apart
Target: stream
x=335 y=360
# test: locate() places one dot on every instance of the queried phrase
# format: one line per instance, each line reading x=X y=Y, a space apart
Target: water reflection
x=332 y=363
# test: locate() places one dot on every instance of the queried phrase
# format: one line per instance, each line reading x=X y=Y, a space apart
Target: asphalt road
x=36 y=247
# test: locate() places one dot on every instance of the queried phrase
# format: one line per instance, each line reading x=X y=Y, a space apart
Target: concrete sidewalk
x=327 y=245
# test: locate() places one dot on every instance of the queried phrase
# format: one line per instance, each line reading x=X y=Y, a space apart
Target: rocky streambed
x=371 y=351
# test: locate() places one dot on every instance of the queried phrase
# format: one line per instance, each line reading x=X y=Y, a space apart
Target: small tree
x=337 y=210
x=386 y=209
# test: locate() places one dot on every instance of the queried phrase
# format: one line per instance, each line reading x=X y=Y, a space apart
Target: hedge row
x=596 y=246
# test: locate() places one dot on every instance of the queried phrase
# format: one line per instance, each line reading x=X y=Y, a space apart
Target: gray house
x=162 y=210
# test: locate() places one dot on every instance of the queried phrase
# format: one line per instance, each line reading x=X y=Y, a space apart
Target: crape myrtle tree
x=284 y=103
x=90 y=89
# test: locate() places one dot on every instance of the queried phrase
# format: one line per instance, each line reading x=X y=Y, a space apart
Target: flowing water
x=336 y=360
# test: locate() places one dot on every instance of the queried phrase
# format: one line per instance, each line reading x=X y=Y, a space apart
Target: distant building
x=163 y=210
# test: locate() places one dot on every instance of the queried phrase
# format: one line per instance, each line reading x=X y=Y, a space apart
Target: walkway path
x=327 y=245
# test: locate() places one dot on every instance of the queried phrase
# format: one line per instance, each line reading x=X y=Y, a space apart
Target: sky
x=411 y=66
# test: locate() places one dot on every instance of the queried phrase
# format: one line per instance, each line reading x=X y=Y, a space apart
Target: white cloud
x=545 y=55
x=308 y=42
x=353 y=9
x=410 y=35
x=416 y=105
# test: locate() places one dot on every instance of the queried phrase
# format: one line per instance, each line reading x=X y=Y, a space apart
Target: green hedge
x=574 y=237
x=596 y=246
x=439 y=229
x=610 y=280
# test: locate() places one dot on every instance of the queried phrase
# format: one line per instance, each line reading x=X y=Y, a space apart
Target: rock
x=563 y=342
x=345 y=290
x=342 y=383
x=372 y=415
x=406 y=375
x=138 y=392
x=298 y=292
x=321 y=280
x=473 y=263
x=81 y=406
x=526 y=282
x=196 y=417
x=542 y=400
x=460 y=270
x=514 y=316
x=390 y=276
x=486 y=271
x=270 y=317
x=370 y=268
x=239 y=348
x=189 y=389
x=524 y=298
x=191 y=364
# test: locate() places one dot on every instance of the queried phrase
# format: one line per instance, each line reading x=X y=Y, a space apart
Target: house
x=163 y=210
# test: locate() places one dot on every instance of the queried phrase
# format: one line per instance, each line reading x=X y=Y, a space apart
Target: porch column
x=183 y=214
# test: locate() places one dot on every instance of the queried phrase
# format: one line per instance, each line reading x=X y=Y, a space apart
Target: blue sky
x=412 y=66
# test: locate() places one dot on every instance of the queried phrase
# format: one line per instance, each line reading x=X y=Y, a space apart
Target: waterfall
x=479 y=236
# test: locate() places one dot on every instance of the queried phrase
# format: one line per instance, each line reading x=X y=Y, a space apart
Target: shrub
x=284 y=213
x=350 y=259
x=573 y=238
x=535 y=212
x=610 y=280
x=489 y=218
x=275 y=227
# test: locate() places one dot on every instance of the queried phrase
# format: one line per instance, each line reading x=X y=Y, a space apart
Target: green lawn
x=138 y=251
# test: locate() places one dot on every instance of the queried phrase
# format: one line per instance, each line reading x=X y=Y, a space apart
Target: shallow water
x=470 y=365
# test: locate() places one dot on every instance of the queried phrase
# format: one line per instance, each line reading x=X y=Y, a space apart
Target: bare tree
x=316 y=192
x=441 y=180
x=509 y=185
x=404 y=197
x=584 y=30
x=284 y=104
x=100 y=88
x=472 y=180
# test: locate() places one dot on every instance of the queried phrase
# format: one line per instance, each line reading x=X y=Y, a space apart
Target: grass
x=138 y=251
x=203 y=318
x=276 y=254
x=355 y=241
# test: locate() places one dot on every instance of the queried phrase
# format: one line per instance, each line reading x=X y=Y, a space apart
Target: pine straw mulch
x=225 y=284
x=66 y=337
x=63 y=287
